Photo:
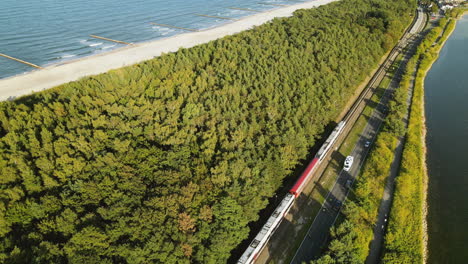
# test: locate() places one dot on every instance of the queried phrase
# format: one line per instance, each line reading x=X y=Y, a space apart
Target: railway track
x=349 y=119
x=318 y=231
x=384 y=66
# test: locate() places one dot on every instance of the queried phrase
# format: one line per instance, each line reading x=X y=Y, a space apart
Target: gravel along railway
x=257 y=245
x=318 y=232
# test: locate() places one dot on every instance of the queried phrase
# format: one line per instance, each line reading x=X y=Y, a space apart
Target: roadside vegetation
x=351 y=238
x=335 y=165
x=167 y=161
x=404 y=238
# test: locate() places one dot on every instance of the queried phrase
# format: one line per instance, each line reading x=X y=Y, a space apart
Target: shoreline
x=425 y=180
x=411 y=192
x=425 y=206
x=65 y=72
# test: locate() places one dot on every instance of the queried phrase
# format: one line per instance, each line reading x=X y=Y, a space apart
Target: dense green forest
x=350 y=243
x=167 y=161
x=352 y=237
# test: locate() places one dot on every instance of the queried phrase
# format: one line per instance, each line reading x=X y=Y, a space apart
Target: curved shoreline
x=425 y=180
x=54 y=75
x=411 y=192
x=425 y=186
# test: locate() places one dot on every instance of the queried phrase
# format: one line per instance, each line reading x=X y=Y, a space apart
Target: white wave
x=232 y=12
x=95 y=44
x=108 y=47
x=164 y=30
x=66 y=56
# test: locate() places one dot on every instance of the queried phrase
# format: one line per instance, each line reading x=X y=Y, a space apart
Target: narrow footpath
x=318 y=233
x=384 y=209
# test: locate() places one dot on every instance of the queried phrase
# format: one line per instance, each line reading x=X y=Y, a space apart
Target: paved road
x=375 y=250
x=318 y=233
x=319 y=230
x=302 y=210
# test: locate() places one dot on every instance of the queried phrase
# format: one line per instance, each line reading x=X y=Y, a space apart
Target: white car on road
x=348 y=163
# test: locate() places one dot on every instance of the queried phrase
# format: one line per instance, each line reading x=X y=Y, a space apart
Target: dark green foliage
x=345 y=245
x=398 y=106
x=168 y=160
x=351 y=239
x=406 y=215
x=457 y=12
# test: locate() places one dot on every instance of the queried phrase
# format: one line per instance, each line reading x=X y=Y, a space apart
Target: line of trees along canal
x=404 y=239
x=168 y=160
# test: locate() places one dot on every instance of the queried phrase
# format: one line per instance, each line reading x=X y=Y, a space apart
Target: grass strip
x=407 y=215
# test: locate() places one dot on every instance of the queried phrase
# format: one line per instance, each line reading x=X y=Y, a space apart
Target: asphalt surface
x=376 y=246
x=318 y=232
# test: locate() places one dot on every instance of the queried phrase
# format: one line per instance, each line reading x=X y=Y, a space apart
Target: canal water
x=47 y=32
x=446 y=92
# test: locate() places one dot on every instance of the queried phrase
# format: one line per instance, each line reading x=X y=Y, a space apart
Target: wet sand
x=54 y=75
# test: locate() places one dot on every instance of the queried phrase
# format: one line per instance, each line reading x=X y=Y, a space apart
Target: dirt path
x=385 y=205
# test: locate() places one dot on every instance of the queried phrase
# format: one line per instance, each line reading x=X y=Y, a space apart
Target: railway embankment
x=179 y=153
x=352 y=237
x=409 y=208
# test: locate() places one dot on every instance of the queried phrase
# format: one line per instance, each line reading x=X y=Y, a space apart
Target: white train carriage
x=259 y=242
x=268 y=229
x=330 y=140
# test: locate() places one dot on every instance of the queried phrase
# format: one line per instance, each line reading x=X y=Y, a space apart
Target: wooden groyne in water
x=108 y=39
x=57 y=74
x=22 y=61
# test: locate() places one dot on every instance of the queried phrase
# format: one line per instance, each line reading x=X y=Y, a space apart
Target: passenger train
x=260 y=240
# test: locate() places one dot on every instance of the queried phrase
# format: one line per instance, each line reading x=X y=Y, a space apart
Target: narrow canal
x=446 y=92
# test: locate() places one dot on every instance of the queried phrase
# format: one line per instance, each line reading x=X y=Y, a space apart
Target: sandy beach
x=54 y=75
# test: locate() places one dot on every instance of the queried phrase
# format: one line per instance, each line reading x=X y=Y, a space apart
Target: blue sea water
x=47 y=32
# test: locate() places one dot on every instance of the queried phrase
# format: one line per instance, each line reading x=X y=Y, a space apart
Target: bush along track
x=404 y=241
x=351 y=238
x=168 y=160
